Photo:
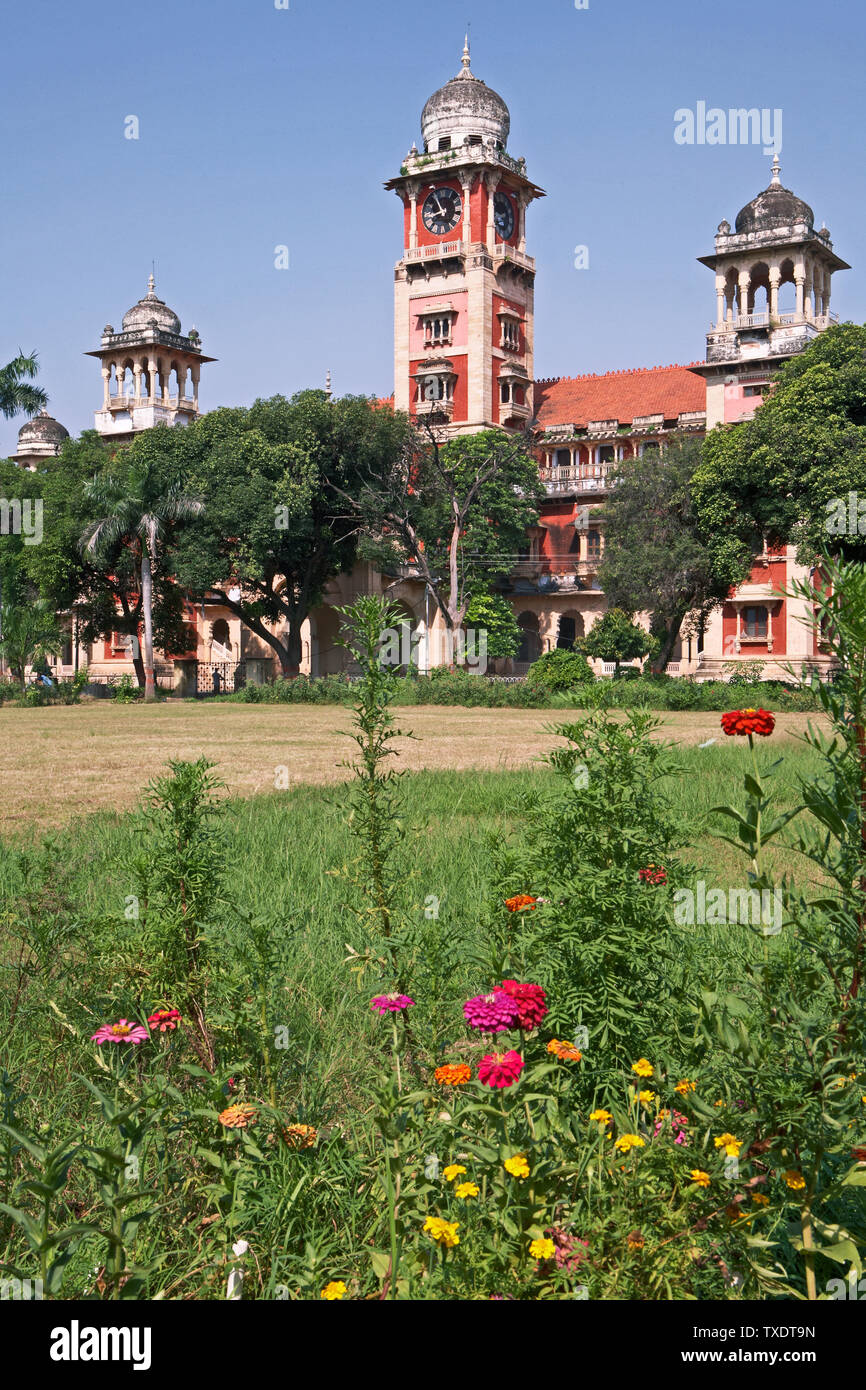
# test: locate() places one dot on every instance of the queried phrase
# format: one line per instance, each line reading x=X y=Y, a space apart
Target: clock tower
x=464 y=286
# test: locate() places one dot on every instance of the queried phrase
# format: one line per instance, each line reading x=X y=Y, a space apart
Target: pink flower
x=531 y=1002
x=500 y=1069
x=391 y=1003
x=491 y=1013
x=121 y=1032
x=164 y=1020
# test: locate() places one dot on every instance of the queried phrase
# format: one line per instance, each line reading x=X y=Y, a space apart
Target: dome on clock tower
x=464 y=107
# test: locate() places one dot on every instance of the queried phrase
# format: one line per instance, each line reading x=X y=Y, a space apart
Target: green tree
x=30 y=634
x=493 y=614
x=17 y=396
x=454 y=515
x=789 y=473
x=138 y=509
x=616 y=638
x=655 y=559
x=272 y=535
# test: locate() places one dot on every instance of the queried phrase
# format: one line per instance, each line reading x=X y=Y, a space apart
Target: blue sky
x=262 y=126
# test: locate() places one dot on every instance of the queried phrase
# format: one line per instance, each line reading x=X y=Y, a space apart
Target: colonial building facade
x=464 y=340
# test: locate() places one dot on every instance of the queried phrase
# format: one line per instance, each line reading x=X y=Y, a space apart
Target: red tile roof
x=619 y=395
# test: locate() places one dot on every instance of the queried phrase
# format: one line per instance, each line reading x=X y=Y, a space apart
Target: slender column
x=775 y=279
x=136 y=372
x=466 y=185
x=744 y=282
x=522 y=203
x=413 y=189
x=151 y=378
x=720 y=301
x=106 y=373
x=492 y=179
x=807 y=293
x=195 y=371
x=800 y=282
x=181 y=382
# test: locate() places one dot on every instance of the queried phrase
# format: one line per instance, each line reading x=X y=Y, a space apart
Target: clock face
x=442 y=211
x=503 y=215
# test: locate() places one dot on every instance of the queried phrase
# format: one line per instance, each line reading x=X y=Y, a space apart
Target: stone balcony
x=136 y=402
x=763 y=320
x=566 y=483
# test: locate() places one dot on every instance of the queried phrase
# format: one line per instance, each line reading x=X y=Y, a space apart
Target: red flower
x=749 y=721
x=500 y=1069
x=653 y=873
x=163 y=1019
x=860 y=1154
x=520 y=901
x=530 y=1001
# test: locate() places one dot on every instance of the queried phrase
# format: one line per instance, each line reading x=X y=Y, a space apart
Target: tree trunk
x=147 y=611
x=663 y=655
x=290 y=653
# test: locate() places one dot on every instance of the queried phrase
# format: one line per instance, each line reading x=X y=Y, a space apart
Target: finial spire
x=328 y=391
x=775 y=181
x=151 y=283
x=466 y=56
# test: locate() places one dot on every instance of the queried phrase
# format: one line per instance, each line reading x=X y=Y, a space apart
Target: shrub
x=560 y=670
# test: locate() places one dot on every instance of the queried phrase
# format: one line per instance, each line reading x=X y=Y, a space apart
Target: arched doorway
x=570 y=628
x=530 y=639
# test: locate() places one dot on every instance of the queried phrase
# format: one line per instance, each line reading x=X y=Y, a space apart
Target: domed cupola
x=465 y=108
x=41 y=438
x=151 y=309
x=774 y=207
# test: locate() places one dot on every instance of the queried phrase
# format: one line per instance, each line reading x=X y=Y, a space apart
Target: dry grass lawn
x=62 y=762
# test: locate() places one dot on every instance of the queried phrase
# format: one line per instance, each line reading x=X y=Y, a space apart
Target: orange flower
x=300 y=1136
x=238 y=1116
x=635 y=1241
x=565 y=1051
x=520 y=901
x=454 y=1074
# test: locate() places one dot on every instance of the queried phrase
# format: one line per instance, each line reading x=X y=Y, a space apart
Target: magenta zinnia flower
x=491 y=1013
x=121 y=1032
x=391 y=1003
x=530 y=1002
x=500 y=1069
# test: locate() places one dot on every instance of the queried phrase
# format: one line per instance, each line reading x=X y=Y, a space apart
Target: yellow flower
x=794 y=1180
x=542 y=1249
x=718 y=1102
x=443 y=1232
x=517 y=1166
x=336 y=1289
x=453 y=1171
x=729 y=1143
x=466 y=1189
x=603 y=1117
x=629 y=1141
x=683 y=1087
x=700 y=1177
x=642 y=1067
x=635 y=1240
x=647 y=1097
x=760 y=1199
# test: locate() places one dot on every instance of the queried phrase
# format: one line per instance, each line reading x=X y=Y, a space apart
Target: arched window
x=530 y=641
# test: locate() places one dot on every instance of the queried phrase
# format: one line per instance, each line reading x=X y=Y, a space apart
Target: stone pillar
x=492 y=180
x=720 y=301
x=744 y=282
x=106 y=373
x=800 y=283
x=522 y=204
x=151 y=378
x=466 y=185
x=182 y=370
x=195 y=371
x=413 y=189
x=775 y=280
x=136 y=373
x=807 y=293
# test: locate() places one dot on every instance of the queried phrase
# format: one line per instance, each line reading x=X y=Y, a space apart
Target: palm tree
x=16 y=395
x=138 y=509
x=30 y=634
